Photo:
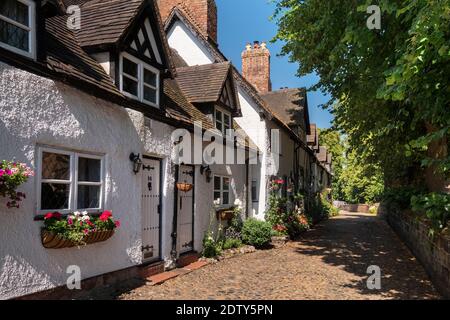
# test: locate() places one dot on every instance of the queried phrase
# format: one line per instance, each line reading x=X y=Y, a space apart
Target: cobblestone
x=329 y=262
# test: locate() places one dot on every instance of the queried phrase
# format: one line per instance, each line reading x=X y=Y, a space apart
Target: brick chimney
x=203 y=12
x=256 y=66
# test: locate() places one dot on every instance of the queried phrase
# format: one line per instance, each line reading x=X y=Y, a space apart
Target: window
x=255 y=191
x=69 y=181
x=138 y=80
x=222 y=190
x=17 y=26
x=223 y=121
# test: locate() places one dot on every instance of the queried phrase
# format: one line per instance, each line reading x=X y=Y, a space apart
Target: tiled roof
x=203 y=83
x=104 y=21
x=179 y=108
x=322 y=154
x=65 y=60
x=313 y=138
x=289 y=105
x=65 y=56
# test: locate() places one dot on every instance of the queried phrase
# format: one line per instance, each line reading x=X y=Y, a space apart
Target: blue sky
x=243 y=21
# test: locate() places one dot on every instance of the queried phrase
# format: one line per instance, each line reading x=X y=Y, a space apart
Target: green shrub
x=436 y=207
x=211 y=247
x=231 y=243
x=257 y=233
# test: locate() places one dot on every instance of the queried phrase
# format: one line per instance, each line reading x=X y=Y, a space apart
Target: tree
x=355 y=180
x=335 y=144
x=391 y=85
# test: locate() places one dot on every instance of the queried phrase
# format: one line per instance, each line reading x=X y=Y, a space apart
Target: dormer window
x=17 y=27
x=222 y=119
x=139 y=80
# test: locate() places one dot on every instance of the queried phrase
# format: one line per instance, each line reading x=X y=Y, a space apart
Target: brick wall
x=434 y=255
x=203 y=12
x=256 y=66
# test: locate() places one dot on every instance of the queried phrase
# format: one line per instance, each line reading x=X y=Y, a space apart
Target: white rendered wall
x=188 y=46
x=33 y=111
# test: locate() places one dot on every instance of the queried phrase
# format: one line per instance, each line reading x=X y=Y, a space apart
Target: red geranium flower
x=280 y=181
x=54 y=215
x=105 y=216
x=117 y=224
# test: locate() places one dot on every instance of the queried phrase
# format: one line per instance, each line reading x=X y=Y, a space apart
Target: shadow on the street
x=356 y=241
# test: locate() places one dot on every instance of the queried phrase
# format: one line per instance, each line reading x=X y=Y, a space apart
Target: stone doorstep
x=163 y=277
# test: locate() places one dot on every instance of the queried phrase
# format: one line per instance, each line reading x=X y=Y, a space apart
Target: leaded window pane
x=15 y=10
x=89 y=170
x=55 y=166
x=88 y=197
x=55 y=196
x=14 y=36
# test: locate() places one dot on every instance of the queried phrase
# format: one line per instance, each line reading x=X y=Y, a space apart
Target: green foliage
x=399 y=198
x=361 y=182
x=436 y=207
x=335 y=143
x=283 y=220
x=79 y=225
x=391 y=85
x=257 y=233
x=211 y=247
x=232 y=243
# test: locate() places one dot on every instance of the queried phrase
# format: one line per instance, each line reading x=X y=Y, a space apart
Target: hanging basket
x=184 y=187
x=54 y=241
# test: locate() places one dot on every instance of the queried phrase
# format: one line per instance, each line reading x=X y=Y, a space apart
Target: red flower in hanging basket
x=279 y=181
x=105 y=216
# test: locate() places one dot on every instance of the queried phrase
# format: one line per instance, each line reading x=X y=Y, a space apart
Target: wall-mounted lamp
x=207 y=171
x=137 y=162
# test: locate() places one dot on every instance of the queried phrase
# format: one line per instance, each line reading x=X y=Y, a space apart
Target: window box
x=54 y=241
x=78 y=229
x=225 y=214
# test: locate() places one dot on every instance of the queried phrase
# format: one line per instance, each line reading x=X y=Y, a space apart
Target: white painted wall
x=35 y=110
x=256 y=129
x=189 y=48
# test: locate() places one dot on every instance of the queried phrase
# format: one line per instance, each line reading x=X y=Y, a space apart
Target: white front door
x=186 y=210
x=151 y=209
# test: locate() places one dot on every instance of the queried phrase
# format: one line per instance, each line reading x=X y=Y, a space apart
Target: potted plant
x=77 y=230
x=12 y=175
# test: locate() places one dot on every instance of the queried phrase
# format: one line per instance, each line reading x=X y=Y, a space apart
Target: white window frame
x=222 y=120
x=31 y=29
x=221 y=190
x=73 y=182
x=140 y=80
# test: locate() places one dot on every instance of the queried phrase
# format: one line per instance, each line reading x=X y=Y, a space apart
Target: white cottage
x=93 y=111
x=191 y=27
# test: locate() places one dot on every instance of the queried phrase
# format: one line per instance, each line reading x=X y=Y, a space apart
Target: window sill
x=96 y=214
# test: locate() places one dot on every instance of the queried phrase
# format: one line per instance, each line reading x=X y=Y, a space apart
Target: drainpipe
x=247 y=193
x=174 y=235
